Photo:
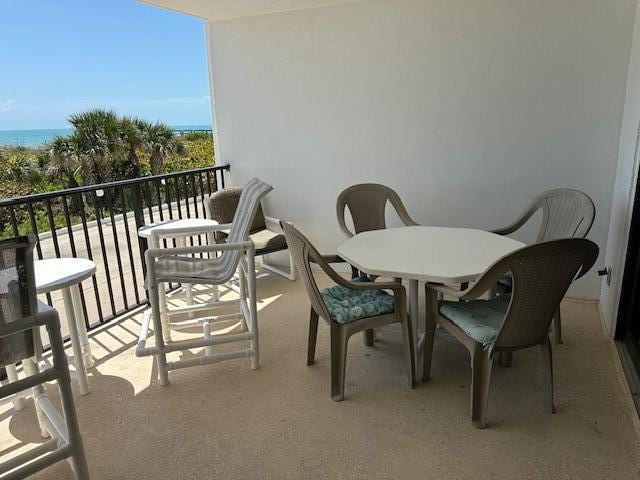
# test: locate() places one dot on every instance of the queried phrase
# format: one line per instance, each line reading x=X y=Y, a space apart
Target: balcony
x=469 y=109
x=227 y=421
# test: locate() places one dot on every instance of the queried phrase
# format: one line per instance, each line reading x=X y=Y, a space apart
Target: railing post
x=138 y=215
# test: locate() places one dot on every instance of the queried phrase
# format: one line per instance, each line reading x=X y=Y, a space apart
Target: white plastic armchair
x=181 y=265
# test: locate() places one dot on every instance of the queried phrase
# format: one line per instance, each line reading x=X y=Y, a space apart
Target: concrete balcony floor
x=279 y=422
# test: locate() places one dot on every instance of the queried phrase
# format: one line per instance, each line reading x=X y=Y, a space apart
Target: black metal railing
x=100 y=222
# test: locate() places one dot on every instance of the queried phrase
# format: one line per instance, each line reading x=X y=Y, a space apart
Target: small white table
x=196 y=226
x=67 y=274
x=426 y=254
x=168 y=225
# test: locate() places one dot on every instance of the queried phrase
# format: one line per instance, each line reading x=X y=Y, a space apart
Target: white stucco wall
x=467 y=108
x=624 y=188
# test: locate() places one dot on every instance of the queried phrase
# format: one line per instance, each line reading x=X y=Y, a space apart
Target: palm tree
x=160 y=142
x=131 y=137
x=65 y=160
x=98 y=136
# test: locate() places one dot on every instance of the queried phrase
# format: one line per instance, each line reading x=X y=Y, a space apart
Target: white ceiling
x=217 y=10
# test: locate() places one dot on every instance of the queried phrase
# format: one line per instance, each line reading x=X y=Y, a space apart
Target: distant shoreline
x=37 y=137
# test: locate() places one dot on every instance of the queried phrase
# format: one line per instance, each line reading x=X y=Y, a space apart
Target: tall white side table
x=67 y=274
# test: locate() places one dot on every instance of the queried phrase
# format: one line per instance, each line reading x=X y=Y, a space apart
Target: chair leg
x=290 y=275
x=313 y=335
x=253 y=311
x=30 y=367
x=369 y=337
x=158 y=325
x=339 y=341
x=557 y=326
x=164 y=312
x=547 y=365
x=78 y=458
x=481 y=365
x=409 y=355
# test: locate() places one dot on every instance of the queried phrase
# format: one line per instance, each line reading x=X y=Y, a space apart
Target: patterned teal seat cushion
x=480 y=319
x=346 y=305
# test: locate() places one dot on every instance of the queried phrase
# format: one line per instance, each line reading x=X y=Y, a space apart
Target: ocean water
x=35 y=138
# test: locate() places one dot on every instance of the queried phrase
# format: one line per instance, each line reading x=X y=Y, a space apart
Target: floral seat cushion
x=346 y=305
x=480 y=319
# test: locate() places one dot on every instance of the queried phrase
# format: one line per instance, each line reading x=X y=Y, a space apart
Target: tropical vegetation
x=102 y=147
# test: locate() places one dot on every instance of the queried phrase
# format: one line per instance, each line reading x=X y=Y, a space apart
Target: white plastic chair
x=180 y=265
x=21 y=316
x=265 y=231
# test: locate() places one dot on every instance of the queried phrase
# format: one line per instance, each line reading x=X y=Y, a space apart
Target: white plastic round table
x=426 y=254
x=178 y=225
x=67 y=274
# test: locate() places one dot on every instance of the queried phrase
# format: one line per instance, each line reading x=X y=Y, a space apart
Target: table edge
x=69 y=282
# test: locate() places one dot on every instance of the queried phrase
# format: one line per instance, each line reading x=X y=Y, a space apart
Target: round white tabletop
x=427 y=254
x=58 y=273
x=168 y=225
x=67 y=274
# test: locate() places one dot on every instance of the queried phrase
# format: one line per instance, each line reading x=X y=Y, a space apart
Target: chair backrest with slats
x=542 y=274
x=304 y=253
x=566 y=213
x=367 y=203
x=252 y=194
x=18 y=298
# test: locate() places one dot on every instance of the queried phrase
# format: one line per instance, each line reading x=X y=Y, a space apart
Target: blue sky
x=65 y=56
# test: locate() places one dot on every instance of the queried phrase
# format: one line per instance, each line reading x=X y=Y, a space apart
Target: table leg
x=414 y=316
x=75 y=341
x=182 y=242
x=12 y=376
x=82 y=326
x=430 y=331
x=162 y=302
